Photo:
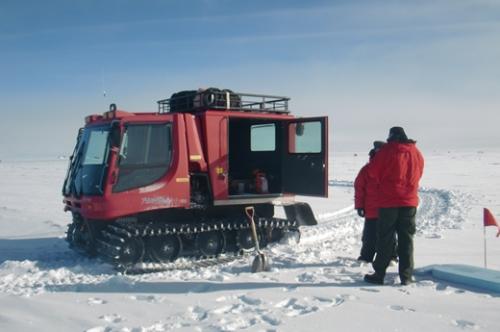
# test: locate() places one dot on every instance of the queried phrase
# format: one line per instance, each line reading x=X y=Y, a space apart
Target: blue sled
x=471 y=276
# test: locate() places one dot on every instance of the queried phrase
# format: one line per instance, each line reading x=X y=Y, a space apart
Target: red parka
x=397 y=168
x=365 y=193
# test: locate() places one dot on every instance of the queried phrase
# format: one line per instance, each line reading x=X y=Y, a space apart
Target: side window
x=263 y=137
x=145 y=155
x=305 y=137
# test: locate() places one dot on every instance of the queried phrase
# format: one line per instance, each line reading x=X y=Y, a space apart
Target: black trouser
x=400 y=221
x=369 y=241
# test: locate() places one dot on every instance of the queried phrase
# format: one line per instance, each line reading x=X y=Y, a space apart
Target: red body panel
x=215 y=136
x=197 y=160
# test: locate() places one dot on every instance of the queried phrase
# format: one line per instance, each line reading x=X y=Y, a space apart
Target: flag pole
x=484 y=237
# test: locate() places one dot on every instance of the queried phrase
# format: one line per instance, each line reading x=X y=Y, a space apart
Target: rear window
x=263 y=137
x=305 y=137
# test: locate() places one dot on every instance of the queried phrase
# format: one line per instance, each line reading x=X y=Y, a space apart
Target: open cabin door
x=305 y=160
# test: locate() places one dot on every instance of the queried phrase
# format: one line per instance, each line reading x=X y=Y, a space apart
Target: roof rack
x=215 y=99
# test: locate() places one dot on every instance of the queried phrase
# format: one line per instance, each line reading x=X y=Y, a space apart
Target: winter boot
x=374 y=278
x=406 y=281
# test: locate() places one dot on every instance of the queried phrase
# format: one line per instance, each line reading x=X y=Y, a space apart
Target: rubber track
x=116 y=235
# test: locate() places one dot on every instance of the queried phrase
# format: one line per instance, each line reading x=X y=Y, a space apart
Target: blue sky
x=430 y=66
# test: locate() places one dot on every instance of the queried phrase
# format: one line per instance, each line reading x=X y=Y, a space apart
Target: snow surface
x=316 y=285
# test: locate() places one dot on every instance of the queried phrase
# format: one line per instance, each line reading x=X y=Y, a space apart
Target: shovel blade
x=260 y=263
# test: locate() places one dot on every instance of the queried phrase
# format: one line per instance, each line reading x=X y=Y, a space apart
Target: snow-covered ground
x=316 y=285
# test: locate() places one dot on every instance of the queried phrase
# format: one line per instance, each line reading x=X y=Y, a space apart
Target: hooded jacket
x=365 y=193
x=397 y=168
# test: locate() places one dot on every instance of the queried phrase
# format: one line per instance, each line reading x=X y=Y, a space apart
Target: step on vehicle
x=152 y=187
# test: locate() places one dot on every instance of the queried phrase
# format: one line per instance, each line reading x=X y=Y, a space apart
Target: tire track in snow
x=438 y=210
x=441 y=209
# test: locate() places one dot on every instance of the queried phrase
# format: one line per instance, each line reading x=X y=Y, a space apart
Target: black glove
x=361 y=212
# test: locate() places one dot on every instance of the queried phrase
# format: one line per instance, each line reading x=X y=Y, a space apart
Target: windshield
x=88 y=162
x=95 y=152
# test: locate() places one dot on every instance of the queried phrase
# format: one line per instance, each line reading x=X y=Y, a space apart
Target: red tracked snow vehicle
x=151 y=187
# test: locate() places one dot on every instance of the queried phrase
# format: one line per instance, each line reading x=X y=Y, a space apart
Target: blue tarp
x=472 y=276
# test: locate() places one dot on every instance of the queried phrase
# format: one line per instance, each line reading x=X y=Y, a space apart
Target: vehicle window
x=145 y=155
x=96 y=148
x=305 y=137
x=263 y=137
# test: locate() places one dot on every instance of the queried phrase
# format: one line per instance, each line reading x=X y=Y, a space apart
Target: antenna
x=102 y=86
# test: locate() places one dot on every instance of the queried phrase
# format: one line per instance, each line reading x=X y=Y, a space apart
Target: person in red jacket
x=365 y=195
x=397 y=168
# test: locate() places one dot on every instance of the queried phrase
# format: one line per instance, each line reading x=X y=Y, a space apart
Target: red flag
x=489 y=220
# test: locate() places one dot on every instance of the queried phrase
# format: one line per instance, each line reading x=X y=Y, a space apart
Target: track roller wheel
x=210 y=243
x=132 y=251
x=244 y=238
x=263 y=238
x=80 y=237
x=275 y=234
x=291 y=236
x=69 y=234
x=163 y=249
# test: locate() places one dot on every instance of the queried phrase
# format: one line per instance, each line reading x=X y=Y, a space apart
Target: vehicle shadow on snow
x=119 y=284
x=47 y=253
x=29 y=249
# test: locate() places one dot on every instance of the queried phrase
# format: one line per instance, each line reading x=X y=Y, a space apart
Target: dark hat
x=372 y=153
x=397 y=134
x=378 y=144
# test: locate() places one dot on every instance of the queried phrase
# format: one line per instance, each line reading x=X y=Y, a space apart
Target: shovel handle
x=250 y=212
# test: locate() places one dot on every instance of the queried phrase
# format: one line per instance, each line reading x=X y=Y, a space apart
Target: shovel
x=260 y=262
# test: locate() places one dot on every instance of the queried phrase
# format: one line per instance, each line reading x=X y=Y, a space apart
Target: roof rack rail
x=215 y=99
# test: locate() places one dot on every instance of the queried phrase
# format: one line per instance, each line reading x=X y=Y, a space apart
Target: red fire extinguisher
x=261 y=185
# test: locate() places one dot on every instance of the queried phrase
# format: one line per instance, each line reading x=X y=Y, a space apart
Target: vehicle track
x=438 y=210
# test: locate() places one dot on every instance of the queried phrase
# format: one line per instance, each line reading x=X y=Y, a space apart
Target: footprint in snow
x=249 y=300
x=434 y=236
x=236 y=324
x=95 y=300
x=271 y=320
x=396 y=307
x=293 y=308
x=329 y=302
x=465 y=324
x=306 y=277
x=197 y=313
x=147 y=298
x=224 y=310
x=113 y=318
x=427 y=283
